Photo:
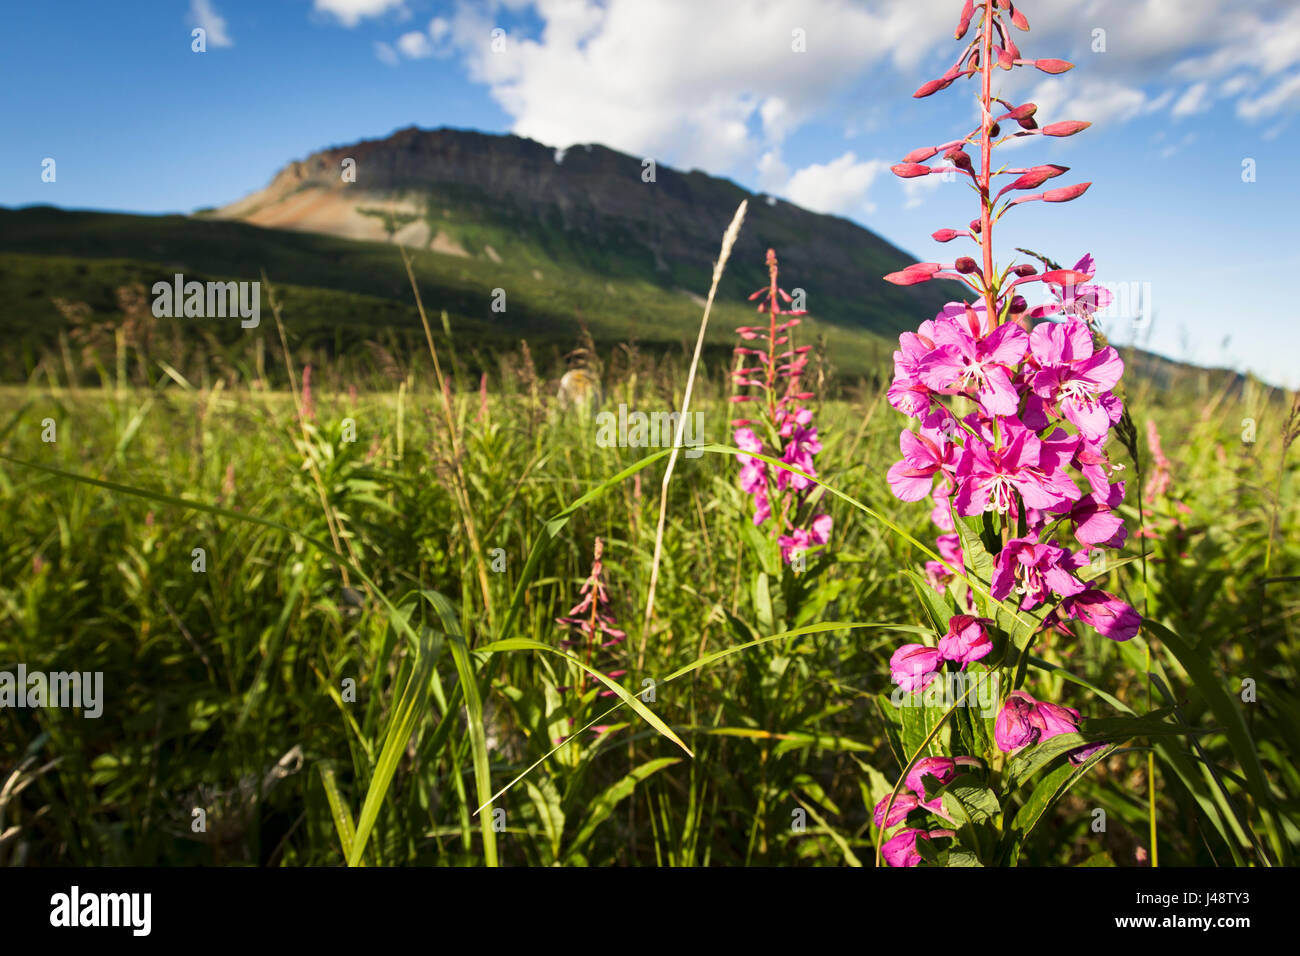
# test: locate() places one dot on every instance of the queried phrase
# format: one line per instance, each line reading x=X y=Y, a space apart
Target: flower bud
x=967 y=12
x=966 y=641
x=1052 y=65
x=1015 y=726
x=1065 y=128
x=902 y=804
x=1066 y=193
x=910 y=170
x=913 y=666
x=900 y=849
x=942 y=769
x=934 y=86
x=920 y=154
x=958 y=157
x=944 y=235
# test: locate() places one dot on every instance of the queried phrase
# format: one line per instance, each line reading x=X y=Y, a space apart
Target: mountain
x=509 y=199
x=576 y=239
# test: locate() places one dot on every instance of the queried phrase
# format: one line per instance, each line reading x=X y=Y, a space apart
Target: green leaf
x=474 y=707
x=632 y=700
x=936 y=607
x=339 y=811
x=1045 y=793
x=604 y=804
x=550 y=812
x=762 y=601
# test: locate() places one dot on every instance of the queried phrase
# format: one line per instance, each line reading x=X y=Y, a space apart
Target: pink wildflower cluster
x=784 y=429
x=1042 y=397
x=914 y=666
x=1043 y=410
x=1014 y=406
x=900 y=850
x=591 y=622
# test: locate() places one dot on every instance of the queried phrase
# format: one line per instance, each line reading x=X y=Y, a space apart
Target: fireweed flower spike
x=784 y=429
x=591 y=622
x=1027 y=449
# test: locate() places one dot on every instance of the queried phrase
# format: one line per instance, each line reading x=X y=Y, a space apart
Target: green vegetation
x=331 y=561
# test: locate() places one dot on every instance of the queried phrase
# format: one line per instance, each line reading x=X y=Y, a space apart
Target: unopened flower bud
x=1052 y=65
x=1065 y=128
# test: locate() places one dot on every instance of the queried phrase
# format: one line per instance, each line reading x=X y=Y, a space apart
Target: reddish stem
x=986 y=123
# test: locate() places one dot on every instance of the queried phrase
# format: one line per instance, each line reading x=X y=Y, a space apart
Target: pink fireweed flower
x=914 y=666
x=965 y=363
x=1073 y=298
x=900 y=849
x=907 y=392
x=591 y=621
x=1075 y=381
x=1106 y=614
x=924 y=455
x=1044 y=398
x=903 y=803
x=1015 y=726
x=1024 y=721
x=308 y=403
x=1095 y=521
x=804 y=541
x=943 y=769
x=801 y=445
x=988 y=476
x=778 y=492
x=1035 y=571
x=967 y=640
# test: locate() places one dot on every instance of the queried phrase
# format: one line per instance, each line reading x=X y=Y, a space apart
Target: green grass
x=331 y=562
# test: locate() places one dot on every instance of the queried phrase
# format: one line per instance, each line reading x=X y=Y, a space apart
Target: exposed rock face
x=462 y=192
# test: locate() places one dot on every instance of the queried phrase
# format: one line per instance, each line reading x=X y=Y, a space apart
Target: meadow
x=355 y=654
x=409 y=605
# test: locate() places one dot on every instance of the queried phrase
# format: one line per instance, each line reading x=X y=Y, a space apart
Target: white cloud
x=773 y=173
x=719 y=86
x=1284 y=96
x=654 y=79
x=386 y=54
x=415 y=45
x=205 y=15
x=839 y=186
x=1193 y=101
x=351 y=12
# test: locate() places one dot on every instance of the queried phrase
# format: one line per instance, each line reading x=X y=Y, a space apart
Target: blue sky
x=1181 y=94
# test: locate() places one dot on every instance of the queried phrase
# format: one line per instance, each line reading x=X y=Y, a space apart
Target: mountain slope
x=509 y=199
